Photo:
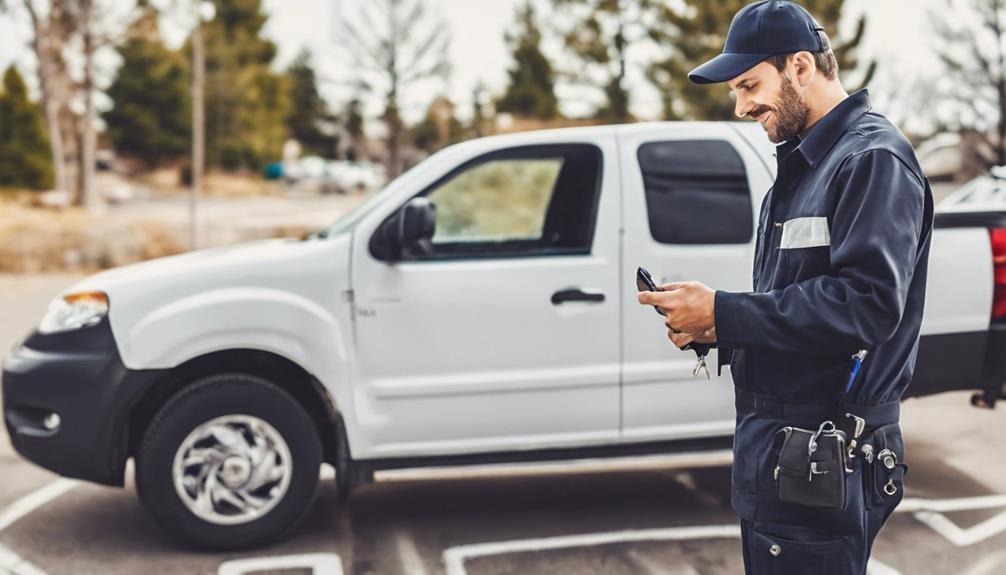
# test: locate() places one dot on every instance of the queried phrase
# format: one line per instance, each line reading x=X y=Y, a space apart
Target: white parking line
x=408 y=554
x=926 y=510
x=34 y=500
x=962 y=537
x=318 y=563
x=875 y=567
x=930 y=513
x=644 y=564
x=909 y=505
x=9 y=560
x=454 y=557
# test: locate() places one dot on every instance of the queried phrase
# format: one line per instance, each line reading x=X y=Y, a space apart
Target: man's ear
x=804 y=67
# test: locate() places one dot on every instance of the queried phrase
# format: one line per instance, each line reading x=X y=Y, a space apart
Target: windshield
x=349 y=219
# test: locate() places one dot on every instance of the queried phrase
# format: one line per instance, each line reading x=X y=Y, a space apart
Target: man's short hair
x=824 y=60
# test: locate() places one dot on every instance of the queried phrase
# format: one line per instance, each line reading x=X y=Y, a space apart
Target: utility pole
x=89 y=197
x=198 y=126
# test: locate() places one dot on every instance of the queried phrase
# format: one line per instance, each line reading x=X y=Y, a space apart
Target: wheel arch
x=281 y=371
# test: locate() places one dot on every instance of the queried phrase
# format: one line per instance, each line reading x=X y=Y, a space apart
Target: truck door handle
x=577 y=294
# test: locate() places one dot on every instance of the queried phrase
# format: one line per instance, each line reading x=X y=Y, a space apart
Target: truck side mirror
x=410 y=230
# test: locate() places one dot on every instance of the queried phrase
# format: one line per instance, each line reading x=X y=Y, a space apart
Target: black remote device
x=644 y=282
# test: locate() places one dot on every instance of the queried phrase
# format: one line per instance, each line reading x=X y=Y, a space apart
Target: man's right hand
x=683 y=339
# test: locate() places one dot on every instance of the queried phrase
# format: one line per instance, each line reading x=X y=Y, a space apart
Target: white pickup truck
x=481 y=308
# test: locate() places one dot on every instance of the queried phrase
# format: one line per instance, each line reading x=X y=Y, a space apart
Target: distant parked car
x=308 y=168
x=334 y=175
x=986 y=192
x=357 y=176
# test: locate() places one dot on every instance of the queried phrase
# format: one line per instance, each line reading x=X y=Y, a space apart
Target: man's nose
x=741 y=108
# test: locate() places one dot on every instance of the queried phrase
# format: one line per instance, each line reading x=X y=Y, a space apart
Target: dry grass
x=34 y=240
x=166 y=182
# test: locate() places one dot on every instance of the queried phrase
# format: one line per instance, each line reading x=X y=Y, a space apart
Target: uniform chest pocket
x=804 y=247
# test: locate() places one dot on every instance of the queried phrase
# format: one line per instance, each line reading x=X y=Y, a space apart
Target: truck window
x=499 y=199
x=696 y=192
x=530 y=200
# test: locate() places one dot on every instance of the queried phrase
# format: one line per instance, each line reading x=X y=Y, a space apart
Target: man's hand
x=689 y=306
x=683 y=339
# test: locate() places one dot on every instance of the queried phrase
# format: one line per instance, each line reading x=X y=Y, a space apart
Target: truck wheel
x=231 y=461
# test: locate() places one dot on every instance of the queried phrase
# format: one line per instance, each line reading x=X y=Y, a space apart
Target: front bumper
x=79 y=376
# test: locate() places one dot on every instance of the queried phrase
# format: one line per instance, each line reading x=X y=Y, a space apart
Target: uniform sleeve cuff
x=726 y=308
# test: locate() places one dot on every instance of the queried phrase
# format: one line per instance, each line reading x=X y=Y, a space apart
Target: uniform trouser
x=788 y=538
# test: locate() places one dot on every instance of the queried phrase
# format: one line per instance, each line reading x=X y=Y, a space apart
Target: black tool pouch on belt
x=811 y=467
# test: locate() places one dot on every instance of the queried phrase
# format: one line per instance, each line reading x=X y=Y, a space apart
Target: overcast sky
x=896 y=35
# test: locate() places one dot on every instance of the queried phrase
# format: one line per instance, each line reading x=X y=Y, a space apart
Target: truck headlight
x=74 y=311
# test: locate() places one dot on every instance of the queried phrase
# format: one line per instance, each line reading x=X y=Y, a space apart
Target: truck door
x=688 y=214
x=507 y=335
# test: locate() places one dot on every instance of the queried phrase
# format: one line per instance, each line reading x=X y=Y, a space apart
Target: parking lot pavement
x=652 y=516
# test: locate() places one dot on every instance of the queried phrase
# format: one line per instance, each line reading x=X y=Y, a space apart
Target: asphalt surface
x=650 y=516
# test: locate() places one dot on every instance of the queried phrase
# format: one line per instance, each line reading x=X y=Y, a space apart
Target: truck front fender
x=267 y=319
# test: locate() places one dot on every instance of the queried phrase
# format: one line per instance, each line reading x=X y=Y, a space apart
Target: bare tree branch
x=392 y=44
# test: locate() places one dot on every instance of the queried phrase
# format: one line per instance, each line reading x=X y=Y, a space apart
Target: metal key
x=701 y=364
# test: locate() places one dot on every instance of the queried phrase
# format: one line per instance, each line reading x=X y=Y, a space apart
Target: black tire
x=211 y=397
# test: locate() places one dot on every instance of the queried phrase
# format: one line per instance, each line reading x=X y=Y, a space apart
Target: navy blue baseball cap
x=760 y=30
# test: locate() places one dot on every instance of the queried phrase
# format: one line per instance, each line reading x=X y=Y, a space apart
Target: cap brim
x=724 y=67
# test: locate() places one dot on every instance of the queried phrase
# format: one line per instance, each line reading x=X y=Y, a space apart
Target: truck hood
x=291 y=265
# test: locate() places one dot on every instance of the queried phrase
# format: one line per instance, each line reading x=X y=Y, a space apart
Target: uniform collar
x=828 y=129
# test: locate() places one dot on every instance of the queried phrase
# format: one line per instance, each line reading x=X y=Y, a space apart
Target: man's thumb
x=672 y=286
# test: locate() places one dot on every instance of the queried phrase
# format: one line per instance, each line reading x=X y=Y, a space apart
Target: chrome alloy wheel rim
x=232 y=469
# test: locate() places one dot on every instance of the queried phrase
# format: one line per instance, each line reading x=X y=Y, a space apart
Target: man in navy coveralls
x=840 y=265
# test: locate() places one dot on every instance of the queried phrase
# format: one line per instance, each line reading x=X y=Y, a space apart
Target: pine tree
x=150 y=117
x=697 y=34
x=308 y=109
x=246 y=103
x=25 y=161
x=599 y=35
x=531 y=91
x=439 y=128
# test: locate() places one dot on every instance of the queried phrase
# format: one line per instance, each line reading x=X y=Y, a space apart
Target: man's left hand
x=689 y=306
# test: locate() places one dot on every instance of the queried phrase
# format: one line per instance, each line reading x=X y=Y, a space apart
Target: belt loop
x=767 y=405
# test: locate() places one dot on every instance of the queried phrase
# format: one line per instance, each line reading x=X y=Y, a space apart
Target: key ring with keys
x=700 y=365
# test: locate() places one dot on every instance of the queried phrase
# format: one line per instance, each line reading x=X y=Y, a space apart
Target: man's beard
x=790 y=116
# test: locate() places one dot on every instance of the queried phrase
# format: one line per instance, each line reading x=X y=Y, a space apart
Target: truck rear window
x=696 y=192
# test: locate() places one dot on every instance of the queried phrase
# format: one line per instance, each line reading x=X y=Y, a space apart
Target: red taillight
x=998 y=239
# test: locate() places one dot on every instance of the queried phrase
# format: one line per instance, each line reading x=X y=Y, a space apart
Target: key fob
x=701 y=349
x=644 y=282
